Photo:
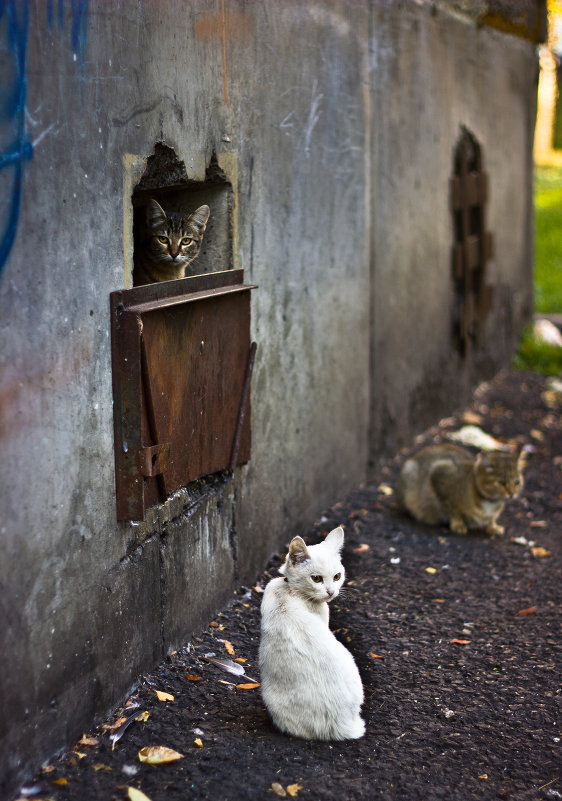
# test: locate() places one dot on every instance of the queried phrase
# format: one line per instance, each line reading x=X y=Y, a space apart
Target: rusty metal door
x=182 y=362
x=473 y=244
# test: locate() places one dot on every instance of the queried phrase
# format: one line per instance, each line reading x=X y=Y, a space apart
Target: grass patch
x=548 y=240
x=538 y=357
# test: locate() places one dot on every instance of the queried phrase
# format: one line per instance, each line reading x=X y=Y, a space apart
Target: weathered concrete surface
x=335 y=123
x=432 y=74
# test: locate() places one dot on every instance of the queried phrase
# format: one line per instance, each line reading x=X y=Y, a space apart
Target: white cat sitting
x=309 y=681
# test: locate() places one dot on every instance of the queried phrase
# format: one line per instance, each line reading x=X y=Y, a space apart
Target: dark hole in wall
x=166 y=180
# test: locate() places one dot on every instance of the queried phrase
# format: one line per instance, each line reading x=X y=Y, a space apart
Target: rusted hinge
x=153 y=459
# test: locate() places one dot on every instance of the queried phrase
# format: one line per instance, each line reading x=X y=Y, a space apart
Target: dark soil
x=457 y=639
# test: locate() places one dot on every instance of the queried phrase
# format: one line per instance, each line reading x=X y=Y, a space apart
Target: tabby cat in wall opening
x=168 y=242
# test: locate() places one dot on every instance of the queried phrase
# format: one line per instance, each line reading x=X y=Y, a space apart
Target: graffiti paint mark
x=16 y=149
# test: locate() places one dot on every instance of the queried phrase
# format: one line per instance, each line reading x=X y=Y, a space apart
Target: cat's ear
x=298 y=552
x=335 y=538
x=199 y=218
x=155 y=214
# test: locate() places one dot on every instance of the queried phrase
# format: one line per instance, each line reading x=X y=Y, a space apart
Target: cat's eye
x=187 y=240
x=163 y=239
x=337 y=577
x=316 y=579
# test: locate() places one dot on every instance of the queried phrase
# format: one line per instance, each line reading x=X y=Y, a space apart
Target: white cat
x=309 y=681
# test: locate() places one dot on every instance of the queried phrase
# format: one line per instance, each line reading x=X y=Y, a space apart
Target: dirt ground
x=457 y=639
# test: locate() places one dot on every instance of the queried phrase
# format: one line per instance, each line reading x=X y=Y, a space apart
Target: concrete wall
x=335 y=124
x=430 y=75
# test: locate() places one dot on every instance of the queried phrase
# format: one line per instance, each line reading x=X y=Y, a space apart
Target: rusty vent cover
x=473 y=244
x=182 y=362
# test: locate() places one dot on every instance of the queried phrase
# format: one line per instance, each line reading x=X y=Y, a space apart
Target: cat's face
x=174 y=239
x=498 y=474
x=315 y=572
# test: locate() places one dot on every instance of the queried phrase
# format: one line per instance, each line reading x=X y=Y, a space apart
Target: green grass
x=548 y=240
x=538 y=357
x=532 y=355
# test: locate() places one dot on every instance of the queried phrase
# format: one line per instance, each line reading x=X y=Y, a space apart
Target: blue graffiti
x=14 y=36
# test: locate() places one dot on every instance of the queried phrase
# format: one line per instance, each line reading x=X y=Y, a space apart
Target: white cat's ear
x=335 y=538
x=298 y=552
x=200 y=216
x=155 y=214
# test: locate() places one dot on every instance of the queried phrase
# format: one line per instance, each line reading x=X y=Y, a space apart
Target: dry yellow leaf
x=539 y=551
x=100 y=766
x=240 y=659
x=278 y=789
x=136 y=795
x=229 y=647
x=251 y=686
x=190 y=677
x=60 y=782
x=198 y=742
x=162 y=696
x=375 y=656
x=293 y=789
x=143 y=717
x=431 y=570
x=158 y=755
x=483 y=776
x=87 y=740
x=361 y=548
x=113 y=726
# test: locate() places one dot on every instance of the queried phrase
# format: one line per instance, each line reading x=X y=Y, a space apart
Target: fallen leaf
x=87 y=740
x=431 y=570
x=190 y=677
x=229 y=683
x=113 y=726
x=213 y=624
x=375 y=656
x=461 y=642
x=538 y=524
x=100 y=766
x=258 y=589
x=536 y=434
x=47 y=769
x=473 y=435
x=240 y=659
x=483 y=776
x=472 y=418
x=162 y=696
x=293 y=789
x=60 y=782
x=278 y=789
x=361 y=548
x=158 y=755
x=143 y=717
x=229 y=647
x=386 y=489
x=251 y=686
x=438 y=600
x=136 y=795
x=531 y=610
x=538 y=551
x=198 y=742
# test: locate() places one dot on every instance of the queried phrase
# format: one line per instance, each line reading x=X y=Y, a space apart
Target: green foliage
x=548 y=239
x=538 y=357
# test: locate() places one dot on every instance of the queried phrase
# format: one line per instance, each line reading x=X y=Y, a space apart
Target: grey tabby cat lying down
x=448 y=484
x=168 y=243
